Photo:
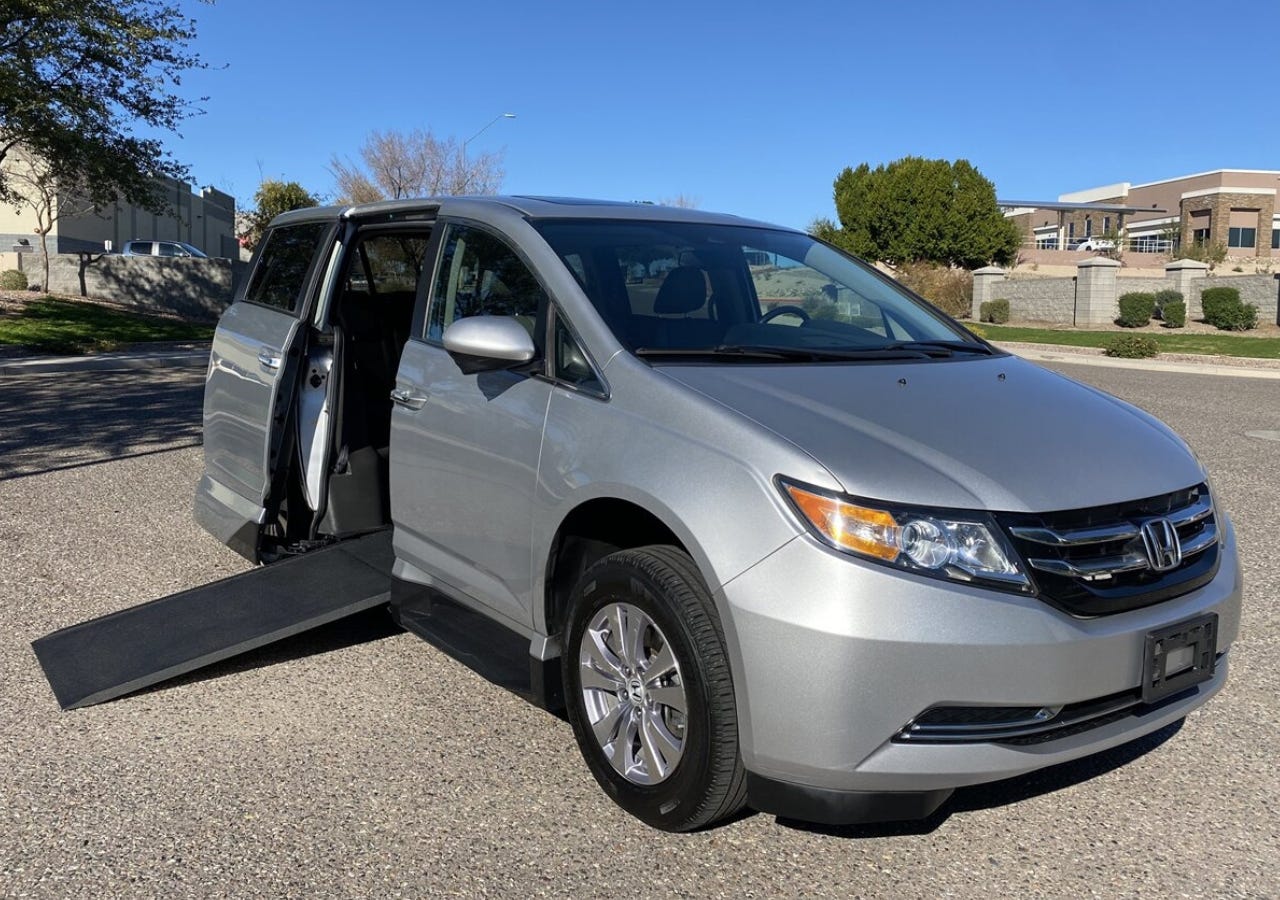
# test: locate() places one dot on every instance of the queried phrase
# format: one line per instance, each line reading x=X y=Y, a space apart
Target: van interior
x=337 y=438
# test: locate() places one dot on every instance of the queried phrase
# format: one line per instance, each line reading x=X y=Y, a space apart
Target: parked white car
x=1096 y=244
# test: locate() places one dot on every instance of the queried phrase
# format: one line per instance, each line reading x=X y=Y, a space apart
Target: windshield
x=688 y=289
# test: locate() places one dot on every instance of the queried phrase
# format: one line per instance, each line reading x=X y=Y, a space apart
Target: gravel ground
x=359 y=761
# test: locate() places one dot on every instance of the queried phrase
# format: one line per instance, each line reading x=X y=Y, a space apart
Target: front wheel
x=649 y=692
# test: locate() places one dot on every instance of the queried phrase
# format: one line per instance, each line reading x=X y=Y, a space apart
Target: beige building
x=205 y=220
x=1233 y=207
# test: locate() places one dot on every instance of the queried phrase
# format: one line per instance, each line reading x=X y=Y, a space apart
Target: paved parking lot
x=361 y=761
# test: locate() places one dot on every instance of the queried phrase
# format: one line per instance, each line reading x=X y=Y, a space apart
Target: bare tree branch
x=395 y=165
x=34 y=184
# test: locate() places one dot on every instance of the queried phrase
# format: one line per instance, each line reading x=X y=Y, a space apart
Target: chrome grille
x=1101 y=560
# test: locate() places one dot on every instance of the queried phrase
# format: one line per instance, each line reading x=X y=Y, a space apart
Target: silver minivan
x=777 y=531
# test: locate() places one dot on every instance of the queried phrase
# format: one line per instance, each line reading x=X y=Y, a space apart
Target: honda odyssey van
x=773 y=529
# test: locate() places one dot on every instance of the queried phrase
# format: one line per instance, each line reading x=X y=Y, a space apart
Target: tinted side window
x=281 y=273
x=481 y=276
x=141 y=248
x=167 y=249
x=387 y=263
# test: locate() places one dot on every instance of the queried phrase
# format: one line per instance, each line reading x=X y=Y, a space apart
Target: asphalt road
x=363 y=762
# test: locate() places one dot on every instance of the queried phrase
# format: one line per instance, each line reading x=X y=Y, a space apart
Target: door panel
x=246 y=365
x=464 y=448
x=463 y=471
x=250 y=360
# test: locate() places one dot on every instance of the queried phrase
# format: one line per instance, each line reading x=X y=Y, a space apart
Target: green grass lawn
x=49 y=325
x=1207 y=344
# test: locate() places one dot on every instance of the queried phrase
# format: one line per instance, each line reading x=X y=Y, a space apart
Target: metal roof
x=1091 y=207
x=526 y=206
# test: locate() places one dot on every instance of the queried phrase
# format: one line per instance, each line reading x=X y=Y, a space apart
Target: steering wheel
x=785 y=311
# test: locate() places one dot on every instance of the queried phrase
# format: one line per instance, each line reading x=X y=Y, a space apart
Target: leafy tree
x=77 y=75
x=916 y=209
x=824 y=229
x=395 y=165
x=270 y=199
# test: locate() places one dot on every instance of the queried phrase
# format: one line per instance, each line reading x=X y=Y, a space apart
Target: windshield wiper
x=939 y=348
x=786 y=354
x=738 y=352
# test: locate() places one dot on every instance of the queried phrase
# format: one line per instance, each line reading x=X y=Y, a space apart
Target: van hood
x=996 y=433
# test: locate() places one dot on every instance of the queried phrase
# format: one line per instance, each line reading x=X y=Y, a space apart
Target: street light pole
x=466 y=172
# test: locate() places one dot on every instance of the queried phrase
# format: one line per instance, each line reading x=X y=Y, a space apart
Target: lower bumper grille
x=1024 y=725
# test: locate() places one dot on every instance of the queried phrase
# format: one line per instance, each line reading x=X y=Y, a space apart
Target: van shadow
x=1006 y=792
x=68 y=420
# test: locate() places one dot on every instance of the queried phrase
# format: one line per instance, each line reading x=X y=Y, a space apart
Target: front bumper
x=833 y=656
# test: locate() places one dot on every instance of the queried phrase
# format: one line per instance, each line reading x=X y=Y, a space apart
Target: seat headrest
x=683 y=290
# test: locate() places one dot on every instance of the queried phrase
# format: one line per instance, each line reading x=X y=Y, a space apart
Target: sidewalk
x=160 y=356
x=1182 y=363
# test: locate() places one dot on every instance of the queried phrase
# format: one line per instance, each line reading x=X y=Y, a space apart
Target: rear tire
x=649 y=691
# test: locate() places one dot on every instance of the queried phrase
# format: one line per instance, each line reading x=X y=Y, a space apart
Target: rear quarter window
x=281 y=273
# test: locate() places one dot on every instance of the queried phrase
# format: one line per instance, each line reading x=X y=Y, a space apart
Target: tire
x=674 y=769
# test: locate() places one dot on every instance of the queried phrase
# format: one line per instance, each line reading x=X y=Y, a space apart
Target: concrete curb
x=106 y=362
x=1066 y=355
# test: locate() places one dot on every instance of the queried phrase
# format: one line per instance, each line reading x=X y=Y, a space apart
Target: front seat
x=684 y=291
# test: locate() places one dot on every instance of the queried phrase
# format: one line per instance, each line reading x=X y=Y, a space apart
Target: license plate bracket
x=1179 y=656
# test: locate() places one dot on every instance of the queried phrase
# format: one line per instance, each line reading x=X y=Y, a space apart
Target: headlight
x=942 y=543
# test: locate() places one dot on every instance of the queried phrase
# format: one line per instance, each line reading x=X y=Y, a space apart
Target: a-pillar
x=1185 y=275
x=1096 y=291
x=984 y=285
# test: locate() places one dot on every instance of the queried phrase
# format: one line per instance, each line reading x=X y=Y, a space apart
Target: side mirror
x=487 y=343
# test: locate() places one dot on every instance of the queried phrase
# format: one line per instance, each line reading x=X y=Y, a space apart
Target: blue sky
x=749 y=108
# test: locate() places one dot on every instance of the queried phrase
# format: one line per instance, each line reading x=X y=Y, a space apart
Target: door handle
x=269 y=358
x=403 y=397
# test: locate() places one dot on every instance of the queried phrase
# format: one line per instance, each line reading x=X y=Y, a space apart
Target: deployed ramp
x=135 y=648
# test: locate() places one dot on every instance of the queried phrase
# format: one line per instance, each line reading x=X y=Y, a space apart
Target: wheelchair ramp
x=135 y=648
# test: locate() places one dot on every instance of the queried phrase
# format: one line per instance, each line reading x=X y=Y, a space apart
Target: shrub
x=1132 y=346
x=1136 y=309
x=1213 y=254
x=1215 y=299
x=1164 y=298
x=13 y=280
x=1224 y=311
x=994 y=311
x=1241 y=317
x=951 y=290
x=1175 y=314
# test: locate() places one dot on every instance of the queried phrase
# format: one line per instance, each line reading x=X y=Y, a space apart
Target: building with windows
x=1232 y=207
x=205 y=220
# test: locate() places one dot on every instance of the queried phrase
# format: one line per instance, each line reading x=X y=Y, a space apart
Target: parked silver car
x=788 y=535
x=162 y=248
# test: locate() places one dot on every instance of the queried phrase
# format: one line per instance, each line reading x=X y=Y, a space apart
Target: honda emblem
x=1164 y=549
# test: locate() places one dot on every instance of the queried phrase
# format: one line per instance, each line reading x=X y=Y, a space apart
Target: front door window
x=480 y=275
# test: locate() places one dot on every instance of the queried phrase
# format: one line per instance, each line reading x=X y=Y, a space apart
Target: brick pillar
x=1186 y=275
x=984 y=282
x=1265 y=215
x=1096 y=291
